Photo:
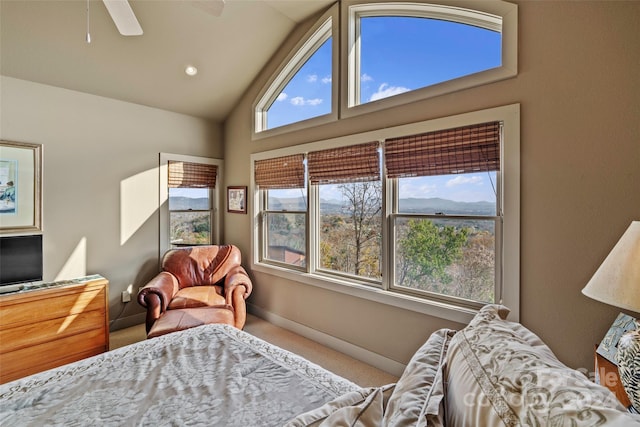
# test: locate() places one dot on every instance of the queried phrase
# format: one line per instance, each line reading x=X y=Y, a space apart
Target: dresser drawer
x=51 y=305
x=51 y=354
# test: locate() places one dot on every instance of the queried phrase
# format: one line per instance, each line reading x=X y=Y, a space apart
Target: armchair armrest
x=156 y=295
x=237 y=287
x=237 y=276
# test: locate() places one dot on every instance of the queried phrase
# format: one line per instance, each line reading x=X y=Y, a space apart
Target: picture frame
x=608 y=347
x=20 y=187
x=237 y=199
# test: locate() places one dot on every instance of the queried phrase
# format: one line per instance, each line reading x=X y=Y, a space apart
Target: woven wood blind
x=280 y=172
x=344 y=164
x=474 y=148
x=192 y=175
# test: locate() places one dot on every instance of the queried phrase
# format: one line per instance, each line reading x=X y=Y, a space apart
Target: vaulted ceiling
x=45 y=42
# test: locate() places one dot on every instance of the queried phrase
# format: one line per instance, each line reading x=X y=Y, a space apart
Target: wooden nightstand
x=608 y=376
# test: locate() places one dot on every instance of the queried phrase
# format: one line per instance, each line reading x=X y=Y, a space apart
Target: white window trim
x=164 y=243
x=510 y=116
x=327 y=26
x=484 y=14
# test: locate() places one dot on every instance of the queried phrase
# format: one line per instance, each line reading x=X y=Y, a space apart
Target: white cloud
x=326 y=79
x=282 y=97
x=312 y=78
x=384 y=91
x=299 y=101
x=413 y=189
x=366 y=78
x=460 y=180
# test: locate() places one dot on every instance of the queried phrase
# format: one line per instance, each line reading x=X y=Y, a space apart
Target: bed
x=493 y=372
x=212 y=375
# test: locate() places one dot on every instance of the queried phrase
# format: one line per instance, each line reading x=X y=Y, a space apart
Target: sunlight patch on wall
x=138 y=201
x=76 y=265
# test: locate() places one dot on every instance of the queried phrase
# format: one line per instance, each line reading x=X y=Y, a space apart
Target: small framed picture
x=237 y=199
x=609 y=345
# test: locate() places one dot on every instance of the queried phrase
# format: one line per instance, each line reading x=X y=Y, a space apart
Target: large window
x=425 y=212
x=189 y=191
x=348 y=192
x=284 y=205
x=447 y=211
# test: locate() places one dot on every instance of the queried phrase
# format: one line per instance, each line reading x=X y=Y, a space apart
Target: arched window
x=402 y=52
x=303 y=88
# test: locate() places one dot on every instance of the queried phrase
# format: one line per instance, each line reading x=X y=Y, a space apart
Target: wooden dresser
x=53 y=324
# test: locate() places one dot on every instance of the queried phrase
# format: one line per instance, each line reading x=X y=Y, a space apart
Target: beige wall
x=579 y=92
x=100 y=183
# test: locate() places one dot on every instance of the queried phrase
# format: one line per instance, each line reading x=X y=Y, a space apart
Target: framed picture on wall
x=20 y=187
x=237 y=199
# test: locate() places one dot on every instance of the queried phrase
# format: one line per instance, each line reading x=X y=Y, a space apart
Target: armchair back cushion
x=201 y=265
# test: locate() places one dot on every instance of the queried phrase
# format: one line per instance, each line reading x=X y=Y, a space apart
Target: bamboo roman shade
x=280 y=172
x=474 y=148
x=192 y=175
x=344 y=164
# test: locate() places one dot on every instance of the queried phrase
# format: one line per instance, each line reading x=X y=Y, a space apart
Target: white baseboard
x=362 y=354
x=126 y=322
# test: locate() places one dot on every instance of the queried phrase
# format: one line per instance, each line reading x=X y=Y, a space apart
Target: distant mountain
x=186 y=203
x=430 y=205
x=435 y=205
x=287 y=203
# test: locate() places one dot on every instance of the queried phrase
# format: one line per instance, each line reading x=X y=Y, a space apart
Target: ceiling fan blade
x=212 y=7
x=123 y=16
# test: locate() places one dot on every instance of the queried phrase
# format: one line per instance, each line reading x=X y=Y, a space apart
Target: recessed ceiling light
x=191 y=70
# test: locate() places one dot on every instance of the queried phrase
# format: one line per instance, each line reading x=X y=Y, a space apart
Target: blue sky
x=473 y=187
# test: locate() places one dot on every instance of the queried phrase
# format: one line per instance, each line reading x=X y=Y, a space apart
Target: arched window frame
x=325 y=28
x=496 y=16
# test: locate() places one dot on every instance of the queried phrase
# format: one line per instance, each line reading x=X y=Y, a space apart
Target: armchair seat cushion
x=197 y=296
x=180 y=319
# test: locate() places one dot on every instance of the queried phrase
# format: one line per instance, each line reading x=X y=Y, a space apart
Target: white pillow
x=500 y=373
x=418 y=397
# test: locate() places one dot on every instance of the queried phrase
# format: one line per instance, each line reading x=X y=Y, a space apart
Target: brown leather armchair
x=197 y=285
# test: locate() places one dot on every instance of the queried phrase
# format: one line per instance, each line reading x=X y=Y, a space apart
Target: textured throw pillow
x=498 y=373
x=417 y=398
x=362 y=408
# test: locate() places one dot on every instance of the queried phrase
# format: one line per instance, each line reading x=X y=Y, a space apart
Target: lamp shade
x=617 y=281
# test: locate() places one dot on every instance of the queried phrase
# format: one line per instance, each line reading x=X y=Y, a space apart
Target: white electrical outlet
x=126 y=296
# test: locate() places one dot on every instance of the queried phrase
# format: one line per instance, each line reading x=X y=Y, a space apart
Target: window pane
x=190 y=228
x=400 y=54
x=294 y=199
x=351 y=228
x=285 y=237
x=182 y=199
x=461 y=194
x=308 y=93
x=450 y=257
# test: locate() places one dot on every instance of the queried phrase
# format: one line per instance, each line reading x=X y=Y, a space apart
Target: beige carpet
x=339 y=363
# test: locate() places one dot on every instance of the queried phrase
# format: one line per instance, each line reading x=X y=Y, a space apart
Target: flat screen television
x=20 y=259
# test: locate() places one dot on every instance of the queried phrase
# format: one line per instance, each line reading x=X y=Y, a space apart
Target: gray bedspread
x=213 y=375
